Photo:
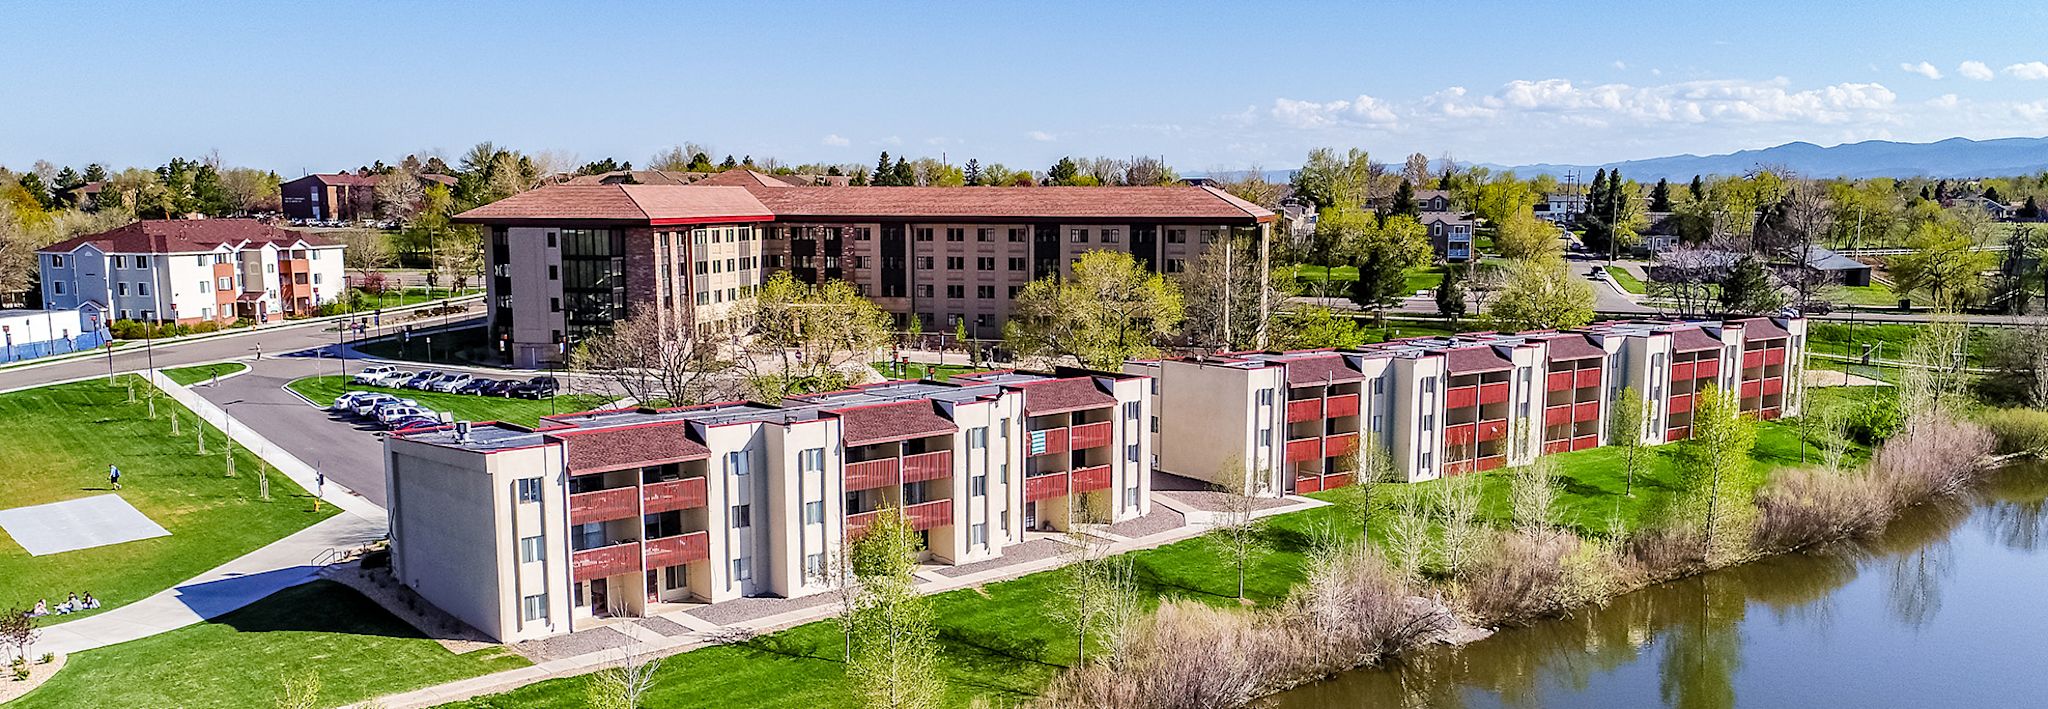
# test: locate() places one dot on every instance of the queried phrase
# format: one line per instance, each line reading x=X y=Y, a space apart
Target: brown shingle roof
x=655 y=204
x=1201 y=203
x=1062 y=395
x=598 y=449
x=1474 y=359
x=171 y=236
x=862 y=425
x=1573 y=346
x=1309 y=371
x=1761 y=329
x=1693 y=339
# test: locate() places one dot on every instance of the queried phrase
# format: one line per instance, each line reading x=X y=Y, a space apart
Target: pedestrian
x=319 y=484
x=114 y=475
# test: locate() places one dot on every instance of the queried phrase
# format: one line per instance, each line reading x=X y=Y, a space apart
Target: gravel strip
x=1030 y=551
x=668 y=628
x=1218 y=501
x=1162 y=519
x=581 y=642
x=740 y=610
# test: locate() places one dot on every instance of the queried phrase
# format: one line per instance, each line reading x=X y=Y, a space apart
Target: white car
x=448 y=382
x=398 y=410
x=372 y=373
x=368 y=405
x=347 y=402
x=392 y=378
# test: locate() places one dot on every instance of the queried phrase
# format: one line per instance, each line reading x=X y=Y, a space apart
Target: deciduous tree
x=895 y=649
x=801 y=337
x=655 y=362
x=1111 y=310
x=1541 y=294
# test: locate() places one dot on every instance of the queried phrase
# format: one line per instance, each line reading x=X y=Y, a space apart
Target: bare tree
x=399 y=195
x=1236 y=524
x=1100 y=593
x=366 y=251
x=1225 y=300
x=1457 y=507
x=625 y=685
x=18 y=631
x=801 y=337
x=1532 y=495
x=652 y=361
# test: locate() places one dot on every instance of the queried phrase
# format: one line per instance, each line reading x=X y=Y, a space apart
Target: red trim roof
x=1474 y=359
x=757 y=201
x=171 y=236
x=1056 y=396
x=600 y=449
x=881 y=423
x=1309 y=371
x=1573 y=346
x=1692 y=340
x=641 y=204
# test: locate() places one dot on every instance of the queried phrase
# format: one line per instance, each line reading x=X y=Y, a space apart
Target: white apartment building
x=529 y=532
x=1289 y=422
x=192 y=271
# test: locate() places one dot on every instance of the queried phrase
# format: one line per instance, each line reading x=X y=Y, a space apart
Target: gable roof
x=880 y=423
x=1468 y=360
x=637 y=204
x=756 y=199
x=1693 y=339
x=1572 y=346
x=1305 y=371
x=172 y=236
x=1054 y=396
x=600 y=449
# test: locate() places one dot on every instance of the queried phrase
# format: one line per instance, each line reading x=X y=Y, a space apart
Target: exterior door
x=653 y=586
x=600 y=605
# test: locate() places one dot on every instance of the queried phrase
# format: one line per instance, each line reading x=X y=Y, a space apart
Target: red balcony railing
x=1589 y=377
x=1558 y=446
x=1680 y=403
x=1677 y=433
x=1091 y=478
x=1461 y=397
x=1308 y=483
x=1752 y=388
x=1459 y=434
x=616 y=503
x=1341 y=405
x=1493 y=393
x=679 y=549
x=929 y=515
x=687 y=493
x=1706 y=369
x=1681 y=371
x=1337 y=444
x=1046 y=442
x=1774 y=385
x=1559 y=381
x=1300 y=410
x=1558 y=415
x=927 y=466
x=1304 y=449
x=1584 y=442
x=867 y=475
x=1775 y=355
x=1589 y=411
x=605 y=561
x=857 y=523
x=1752 y=358
x=1492 y=430
x=1092 y=435
x=1043 y=487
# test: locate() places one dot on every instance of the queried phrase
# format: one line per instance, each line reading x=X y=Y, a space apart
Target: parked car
x=347 y=401
x=370 y=374
x=475 y=386
x=392 y=378
x=412 y=423
x=500 y=387
x=400 y=410
x=420 y=379
x=367 y=405
x=448 y=382
x=536 y=388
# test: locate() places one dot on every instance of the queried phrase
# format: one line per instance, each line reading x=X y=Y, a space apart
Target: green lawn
x=61 y=440
x=188 y=376
x=1003 y=641
x=397 y=298
x=1418 y=278
x=323 y=390
x=240 y=659
x=918 y=370
x=1840 y=338
x=1628 y=281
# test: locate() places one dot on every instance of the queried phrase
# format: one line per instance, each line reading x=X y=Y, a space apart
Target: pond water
x=1944 y=610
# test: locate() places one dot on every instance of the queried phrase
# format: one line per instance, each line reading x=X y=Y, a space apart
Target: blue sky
x=298 y=87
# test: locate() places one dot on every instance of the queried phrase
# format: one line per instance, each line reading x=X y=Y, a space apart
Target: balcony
x=867 y=475
x=1589 y=411
x=1044 y=487
x=1559 y=381
x=927 y=466
x=1461 y=397
x=1677 y=433
x=603 y=505
x=1589 y=377
x=1341 y=405
x=679 y=549
x=1775 y=355
x=1459 y=434
x=1304 y=449
x=1557 y=415
x=1706 y=369
x=929 y=515
x=1304 y=410
x=605 y=561
x=1562 y=446
x=1493 y=393
x=687 y=493
x=1339 y=444
x=1046 y=442
x=1091 y=479
x=1096 y=435
x=857 y=523
x=1681 y=371
x=1752 y=358
x=1752 y=389
x=1493 y=430
x=1680 y=403
x=1774 y=385
x=1586 y=441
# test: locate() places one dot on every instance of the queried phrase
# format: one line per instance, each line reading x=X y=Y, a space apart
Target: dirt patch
x=38 y=673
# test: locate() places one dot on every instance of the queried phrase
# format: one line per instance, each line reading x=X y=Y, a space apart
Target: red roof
x=640 y=204
x=1474 y=359
x=1693 y=339
x=1316 y=370
x=599 y=449
x=1055 y=396
x=1573 y=346
x=881 y=423
x=1761 y=329
x=172 y=236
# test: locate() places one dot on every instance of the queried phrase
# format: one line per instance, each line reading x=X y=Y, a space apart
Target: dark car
x=500 y=387
x=474 y=386
x=536 y=388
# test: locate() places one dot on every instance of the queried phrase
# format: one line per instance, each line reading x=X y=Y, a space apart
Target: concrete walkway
x=286 y=463
x=647 y=644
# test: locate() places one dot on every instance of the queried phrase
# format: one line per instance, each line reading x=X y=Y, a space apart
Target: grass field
x=240 y=659
x=188 y=376
x=324 y=389
x=61 y=440
x=1003 y=641
x=916 y=370
x=1418 y=278
x=1848 y=340
x=1628 y=281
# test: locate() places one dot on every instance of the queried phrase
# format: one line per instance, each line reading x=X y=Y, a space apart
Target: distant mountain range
x=1955 y=157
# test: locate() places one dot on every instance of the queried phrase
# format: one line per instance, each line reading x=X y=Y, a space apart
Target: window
x=1130 y=497
x=742 y=515
x=1078 y=236
x=924 y=290
x=814 y=512
x=985 y=263
x=120 y=262
x=673 y=577
x=57 y=260
x=1265 y=397
x=1016 y=235
x=956 y=263
x=143 y=262
x=1112 y=236
x=1176 y=236
x=1155 y=424
x=120 y=289
x=534 y=607
x=814 y=566
x=1174 y=265
x=984 y=234
x=225 y=283
x=977 y=438
x=1131 y=452
x=985 y=292
x=978 y=485
x=532 y=549
x=1131 y=411
x=529 y=489
x=978 y=534
x=743 y=569
x=923 y=233
x=924 y=263
x=59 y=287
x=956 y=234
x=1016 y=263
x=957 y=291
x=861 y=234
x=551 y=240
x=1014 y=290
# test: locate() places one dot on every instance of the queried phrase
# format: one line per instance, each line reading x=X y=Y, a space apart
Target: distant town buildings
x=342 y=196
x=191 y=271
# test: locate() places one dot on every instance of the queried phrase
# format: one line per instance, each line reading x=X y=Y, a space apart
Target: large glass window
x=593 y=279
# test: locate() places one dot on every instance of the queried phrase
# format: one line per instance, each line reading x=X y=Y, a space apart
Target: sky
x=316 y=87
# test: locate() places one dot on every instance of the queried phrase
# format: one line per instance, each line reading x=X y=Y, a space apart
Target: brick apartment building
x=191 y=271
x=566 y=260
x=1449 y=405
x=529 y=532
x=340 y=196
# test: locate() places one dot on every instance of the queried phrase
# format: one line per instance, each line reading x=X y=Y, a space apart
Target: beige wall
x=456 y=523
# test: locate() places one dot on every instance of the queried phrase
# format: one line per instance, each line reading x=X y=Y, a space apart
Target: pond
x=1944 y=610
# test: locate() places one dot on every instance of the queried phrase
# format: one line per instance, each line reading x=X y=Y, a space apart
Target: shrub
x=1354 y=609
x=1532 y=573
x=1809 y=506
x=1879 y=418
x=1184 y=656
x=2018 y=430
x=1665 y=551
x=47 y=658
x=1934 y=456
x=20 y=673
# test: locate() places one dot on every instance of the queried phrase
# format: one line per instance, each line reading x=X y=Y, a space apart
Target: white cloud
x=1975 y=70
x=1923 y=68
x=834 y=140
x=1041 y=136
x=1944 y=101
x=1619 y=64
x=1364 y=111
x=2030 y=71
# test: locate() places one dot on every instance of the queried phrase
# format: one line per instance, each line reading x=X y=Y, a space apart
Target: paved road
x=276 y=340
x=350 y=453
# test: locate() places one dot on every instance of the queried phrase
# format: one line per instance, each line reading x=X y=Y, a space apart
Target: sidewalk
x=646 y=643
x=347 y=500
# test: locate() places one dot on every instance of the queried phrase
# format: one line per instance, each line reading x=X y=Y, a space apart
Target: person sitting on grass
x=42 y=608
x=91 y=602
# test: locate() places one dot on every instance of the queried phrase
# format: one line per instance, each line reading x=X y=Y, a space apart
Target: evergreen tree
x=95 y=173
x=1698 y=188
x=34 y=186
x=1926 y=193
x=1991 y=194
x=1660 y=196
x=902 y=175
x=1404 y=201
x=1450 y=295
x=729 y=163
x=1445 y=183
x=747 y=161
x=1748 y=288
x=882 y=174
x=973 y=172
x=2030 y=210
x=1062 y=172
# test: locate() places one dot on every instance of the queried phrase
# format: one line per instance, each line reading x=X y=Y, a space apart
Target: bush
x=2018 y=430
x=47 y=658
x=1934 y=456
x=21 y=673
x=1184 y=656
x=1879 y=418
x=1809 y=506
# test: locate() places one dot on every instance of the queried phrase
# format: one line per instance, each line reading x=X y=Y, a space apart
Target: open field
x=1418 y=278
x=61 y=440
x=917 y=370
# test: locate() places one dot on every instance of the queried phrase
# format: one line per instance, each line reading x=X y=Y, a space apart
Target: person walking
x=114 y=475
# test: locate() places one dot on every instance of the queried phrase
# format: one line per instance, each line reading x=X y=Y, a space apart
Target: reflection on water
x=1938 y=611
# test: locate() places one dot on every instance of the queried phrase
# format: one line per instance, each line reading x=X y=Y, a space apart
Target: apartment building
x=340 y=196
x=1295 y=421
x=1450 y=234
x=528 y=532
x=191 y=271
x=946 y=255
